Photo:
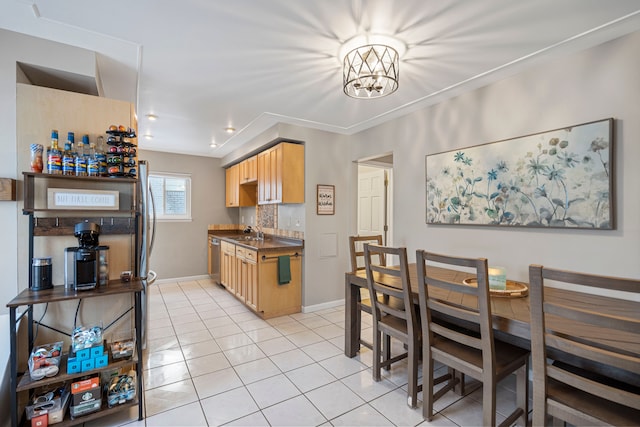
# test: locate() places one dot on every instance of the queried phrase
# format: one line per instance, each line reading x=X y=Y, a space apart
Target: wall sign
x=326 y=200
x=74 y=199
x=562 y=178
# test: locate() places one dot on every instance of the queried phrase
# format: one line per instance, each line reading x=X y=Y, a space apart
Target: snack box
x=86 y=396
x=51 y=402
x=122 y=349
x=44 y=360
x=121 y=389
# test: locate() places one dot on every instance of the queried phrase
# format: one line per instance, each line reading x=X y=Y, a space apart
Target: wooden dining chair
x=465 y=341
x=386 y=284
x=356 y=250
x=570 y=327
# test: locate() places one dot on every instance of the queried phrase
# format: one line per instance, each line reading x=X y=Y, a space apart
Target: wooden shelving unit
x=60 y=222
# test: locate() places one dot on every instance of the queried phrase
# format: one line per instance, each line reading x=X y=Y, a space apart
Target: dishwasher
x=214 y=259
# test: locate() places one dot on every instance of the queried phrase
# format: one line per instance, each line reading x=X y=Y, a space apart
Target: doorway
x=374 y=212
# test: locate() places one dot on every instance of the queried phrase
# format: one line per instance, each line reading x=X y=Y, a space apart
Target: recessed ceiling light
x=152 y=117
x=229 y=130
x=148 y=136
x=213 y=145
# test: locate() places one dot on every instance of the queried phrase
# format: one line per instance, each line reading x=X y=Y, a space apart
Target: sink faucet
x=259 y=233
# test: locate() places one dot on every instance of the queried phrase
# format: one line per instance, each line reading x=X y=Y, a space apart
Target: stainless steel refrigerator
x=147 y=224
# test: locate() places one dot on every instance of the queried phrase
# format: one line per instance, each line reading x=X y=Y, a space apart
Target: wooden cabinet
x=247 y=270
x=228 y=266
x=281 y=174
x=275 y=299
x=252 y=277
x=249 y=170
x=237 y=194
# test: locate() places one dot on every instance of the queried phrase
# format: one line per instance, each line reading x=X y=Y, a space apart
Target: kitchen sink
x=246 y=238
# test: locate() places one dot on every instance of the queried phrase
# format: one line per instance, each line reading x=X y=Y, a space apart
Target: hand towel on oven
x=284 y=269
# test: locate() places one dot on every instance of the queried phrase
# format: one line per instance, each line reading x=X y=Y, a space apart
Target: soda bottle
x=68 y=161
x=54 y=159
x=93 y=163
x=101 y=155
x=81 y=156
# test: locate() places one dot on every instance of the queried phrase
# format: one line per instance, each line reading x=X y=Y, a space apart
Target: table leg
x=351 y=318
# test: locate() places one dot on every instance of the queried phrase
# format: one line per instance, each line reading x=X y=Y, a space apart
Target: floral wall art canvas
x=561 y=178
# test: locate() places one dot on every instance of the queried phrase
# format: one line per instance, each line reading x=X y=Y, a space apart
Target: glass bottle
x=68 y=161
x=54 y=160
x=101 y=155
x=81 y=156
x=93 y=163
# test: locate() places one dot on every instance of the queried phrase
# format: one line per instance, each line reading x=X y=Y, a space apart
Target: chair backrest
x=464 y=319
x=387 y=283
x=575 y=327
x=356 y=249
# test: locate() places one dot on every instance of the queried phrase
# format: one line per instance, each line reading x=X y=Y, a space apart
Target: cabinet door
x=228 y=266
x=251 y=296
x=232 y=186
x=264 y=189
x=241 y=282
x=249 y=170
x=275 y=167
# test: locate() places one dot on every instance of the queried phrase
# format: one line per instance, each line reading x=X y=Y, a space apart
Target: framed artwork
x=326 y=204
x=561 y=178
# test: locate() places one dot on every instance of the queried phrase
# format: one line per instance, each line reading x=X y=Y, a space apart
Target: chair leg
x=387 y=351
x=522 y=392
x=427 y=385
x=412 y=392
x=489 y=403
x=376 y=355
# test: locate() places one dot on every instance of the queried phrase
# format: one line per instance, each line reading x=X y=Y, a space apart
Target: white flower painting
x=558 y=179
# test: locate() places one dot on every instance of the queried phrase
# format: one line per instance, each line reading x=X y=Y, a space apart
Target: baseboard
x=181 y=279
x=323 y=306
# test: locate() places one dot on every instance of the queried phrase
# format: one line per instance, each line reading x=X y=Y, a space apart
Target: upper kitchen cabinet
x=249 y=170
x=236 y=194
x=281 y=174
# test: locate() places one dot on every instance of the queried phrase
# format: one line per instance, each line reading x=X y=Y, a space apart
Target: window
x=171 y=196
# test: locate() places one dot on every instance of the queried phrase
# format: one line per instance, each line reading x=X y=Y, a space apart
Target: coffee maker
x=86 y=265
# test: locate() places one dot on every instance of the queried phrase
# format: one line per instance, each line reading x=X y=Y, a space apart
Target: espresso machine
x=86 y=265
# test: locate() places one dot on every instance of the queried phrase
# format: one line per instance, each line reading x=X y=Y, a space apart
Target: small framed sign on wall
x=326 y=204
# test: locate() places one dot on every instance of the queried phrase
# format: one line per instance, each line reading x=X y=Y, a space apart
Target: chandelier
x=371 y=69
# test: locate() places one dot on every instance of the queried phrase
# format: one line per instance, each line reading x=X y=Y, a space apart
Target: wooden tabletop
x=511 y=316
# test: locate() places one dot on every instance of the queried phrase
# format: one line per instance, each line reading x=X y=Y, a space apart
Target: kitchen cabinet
x=237 y=195
x=247 y=275
x=228 y=266
x=249 y=170
x=252 y=277
x=281 y=174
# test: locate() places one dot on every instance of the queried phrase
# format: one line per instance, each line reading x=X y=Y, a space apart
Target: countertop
x=270 y=242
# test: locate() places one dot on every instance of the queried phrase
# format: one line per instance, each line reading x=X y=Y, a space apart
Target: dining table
x=510 y=315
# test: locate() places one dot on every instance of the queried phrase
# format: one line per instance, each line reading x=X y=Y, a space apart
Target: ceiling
x=204 y=65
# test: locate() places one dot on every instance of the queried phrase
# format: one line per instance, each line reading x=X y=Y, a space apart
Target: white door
x=371 y=201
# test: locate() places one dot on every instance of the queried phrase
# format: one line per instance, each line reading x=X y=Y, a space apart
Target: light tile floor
x=211 y=361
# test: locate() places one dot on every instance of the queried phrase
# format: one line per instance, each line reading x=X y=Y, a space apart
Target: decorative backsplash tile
x=267 y=216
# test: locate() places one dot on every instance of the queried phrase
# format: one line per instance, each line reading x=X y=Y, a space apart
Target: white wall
x=180 y=248
x=598 y=83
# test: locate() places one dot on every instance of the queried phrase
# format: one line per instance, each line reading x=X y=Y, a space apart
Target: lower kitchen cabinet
x=252 y=276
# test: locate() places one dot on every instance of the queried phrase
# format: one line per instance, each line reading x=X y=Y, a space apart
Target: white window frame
x=174 y=218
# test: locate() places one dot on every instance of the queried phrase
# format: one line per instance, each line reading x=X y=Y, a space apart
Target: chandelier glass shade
x=370 y=71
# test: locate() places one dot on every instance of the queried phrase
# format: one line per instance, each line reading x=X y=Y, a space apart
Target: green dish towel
x=284 y=269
